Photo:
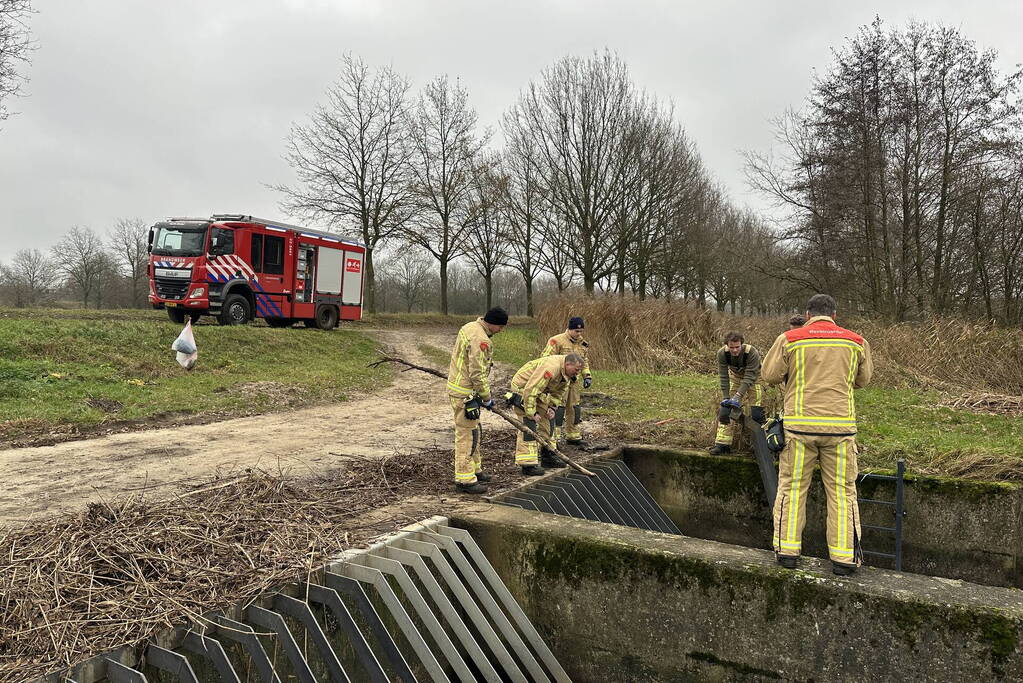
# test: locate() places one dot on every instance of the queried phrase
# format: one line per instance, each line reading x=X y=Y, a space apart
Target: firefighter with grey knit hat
x=569 y=415
x=469 y=391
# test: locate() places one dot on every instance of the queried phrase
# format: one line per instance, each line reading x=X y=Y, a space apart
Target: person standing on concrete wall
x=571 y=414
x=739 y=372
x=821 y=364
x=469 y=390
x=538 y=389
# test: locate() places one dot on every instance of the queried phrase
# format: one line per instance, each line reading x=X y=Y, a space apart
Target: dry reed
x=659 y=336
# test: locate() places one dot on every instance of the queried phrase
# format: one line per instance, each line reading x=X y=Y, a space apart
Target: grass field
x=58 y=371
x=893 y=423
x=78 y=369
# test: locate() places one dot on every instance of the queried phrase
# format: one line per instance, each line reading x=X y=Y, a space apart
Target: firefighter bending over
x=820 y=363
x=538 y=389
x=571 y=414
x=739 y=372
x=469 y=390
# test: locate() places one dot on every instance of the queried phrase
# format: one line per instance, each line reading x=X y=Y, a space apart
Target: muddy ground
x=410 y=414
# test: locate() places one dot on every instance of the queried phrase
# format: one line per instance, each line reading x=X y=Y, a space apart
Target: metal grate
x=423 y=605
x=170 y=288
x=614 y=496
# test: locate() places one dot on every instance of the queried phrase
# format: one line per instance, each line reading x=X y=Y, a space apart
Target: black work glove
x=587 y=382
x=757 y=413
x=724 y=414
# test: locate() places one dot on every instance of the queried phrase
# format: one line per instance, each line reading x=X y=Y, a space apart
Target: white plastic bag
x=187 y=353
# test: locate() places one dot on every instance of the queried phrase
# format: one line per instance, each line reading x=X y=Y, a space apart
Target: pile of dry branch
x=72 y=588
x=986 y=403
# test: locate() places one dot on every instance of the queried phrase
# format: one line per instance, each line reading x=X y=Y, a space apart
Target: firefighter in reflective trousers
x=820 y=363
x=537 y=390
x=469 y=390
x=739 y=374
x=570 y=414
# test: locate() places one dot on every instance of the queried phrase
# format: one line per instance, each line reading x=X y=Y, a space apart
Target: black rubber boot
x=483 y=476
x=839 y=569
x=474 y=487
x=788 y=561
x=720 y=449
x=550 y=460
x=532 y=470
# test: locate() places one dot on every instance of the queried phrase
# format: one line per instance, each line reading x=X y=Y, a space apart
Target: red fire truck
x=238 y=268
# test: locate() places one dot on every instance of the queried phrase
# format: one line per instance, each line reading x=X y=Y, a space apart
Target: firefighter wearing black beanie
x=469 y=390
x=496 y=316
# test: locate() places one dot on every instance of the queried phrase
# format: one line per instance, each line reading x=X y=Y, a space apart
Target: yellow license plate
x=171 y=305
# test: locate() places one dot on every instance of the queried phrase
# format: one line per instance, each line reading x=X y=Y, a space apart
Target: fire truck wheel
x=236 y=310
x=326 y=318
x=177 y=315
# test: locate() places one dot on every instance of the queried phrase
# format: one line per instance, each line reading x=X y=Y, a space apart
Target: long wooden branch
x=508 y=417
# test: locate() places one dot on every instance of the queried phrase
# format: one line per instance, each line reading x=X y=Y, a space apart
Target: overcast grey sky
x=150 y=109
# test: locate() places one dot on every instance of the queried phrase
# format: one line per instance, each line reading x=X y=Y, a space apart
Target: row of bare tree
x=597 y=184
x=903 y=176
x=98 y=271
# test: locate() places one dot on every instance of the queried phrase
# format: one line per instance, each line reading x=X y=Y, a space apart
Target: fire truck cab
x=238 y=268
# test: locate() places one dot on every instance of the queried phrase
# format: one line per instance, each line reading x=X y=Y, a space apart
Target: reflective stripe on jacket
x=471 y=358
x=541 y=382
x=562 y=345
x=820 y=363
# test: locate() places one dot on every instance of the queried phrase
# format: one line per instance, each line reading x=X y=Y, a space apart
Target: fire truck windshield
x=179 y=240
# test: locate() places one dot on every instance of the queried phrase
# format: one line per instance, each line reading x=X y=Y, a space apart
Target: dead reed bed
x=73 y=587
x=659 y=336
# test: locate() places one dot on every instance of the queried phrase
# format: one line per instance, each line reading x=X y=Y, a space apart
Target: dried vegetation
x=964 y=359
x=73 y=587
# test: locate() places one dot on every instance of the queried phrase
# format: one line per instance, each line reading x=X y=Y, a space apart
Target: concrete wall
x=954 y=528
x=621 y=604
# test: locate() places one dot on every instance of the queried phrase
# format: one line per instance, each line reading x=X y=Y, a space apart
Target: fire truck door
x=271 y=297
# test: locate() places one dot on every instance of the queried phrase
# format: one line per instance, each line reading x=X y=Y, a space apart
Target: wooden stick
x=510 y=419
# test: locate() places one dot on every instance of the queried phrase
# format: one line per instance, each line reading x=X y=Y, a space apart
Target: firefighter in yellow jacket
x=537 y=390
x=739 y=375
x=570 y=414
x=469 y=390
x=821 y=364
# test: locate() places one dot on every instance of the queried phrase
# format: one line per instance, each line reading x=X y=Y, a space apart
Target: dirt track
x=412 y=413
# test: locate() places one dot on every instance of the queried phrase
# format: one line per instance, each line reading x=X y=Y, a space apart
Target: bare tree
x=128 y=241
x=525 y=207
x=487 y=239
x=894 y=174
x=29 y=279
x=15 y=46
x=409 y=272
x=446 y=144
x=352 y=159
x=578 y=114
x=80 y=258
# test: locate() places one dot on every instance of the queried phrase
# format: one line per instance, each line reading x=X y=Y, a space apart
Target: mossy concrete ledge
x=621 y=604
x=956 y=528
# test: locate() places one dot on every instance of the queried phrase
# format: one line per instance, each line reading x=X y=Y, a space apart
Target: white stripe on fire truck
x=219 y=271
x=243 y=266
